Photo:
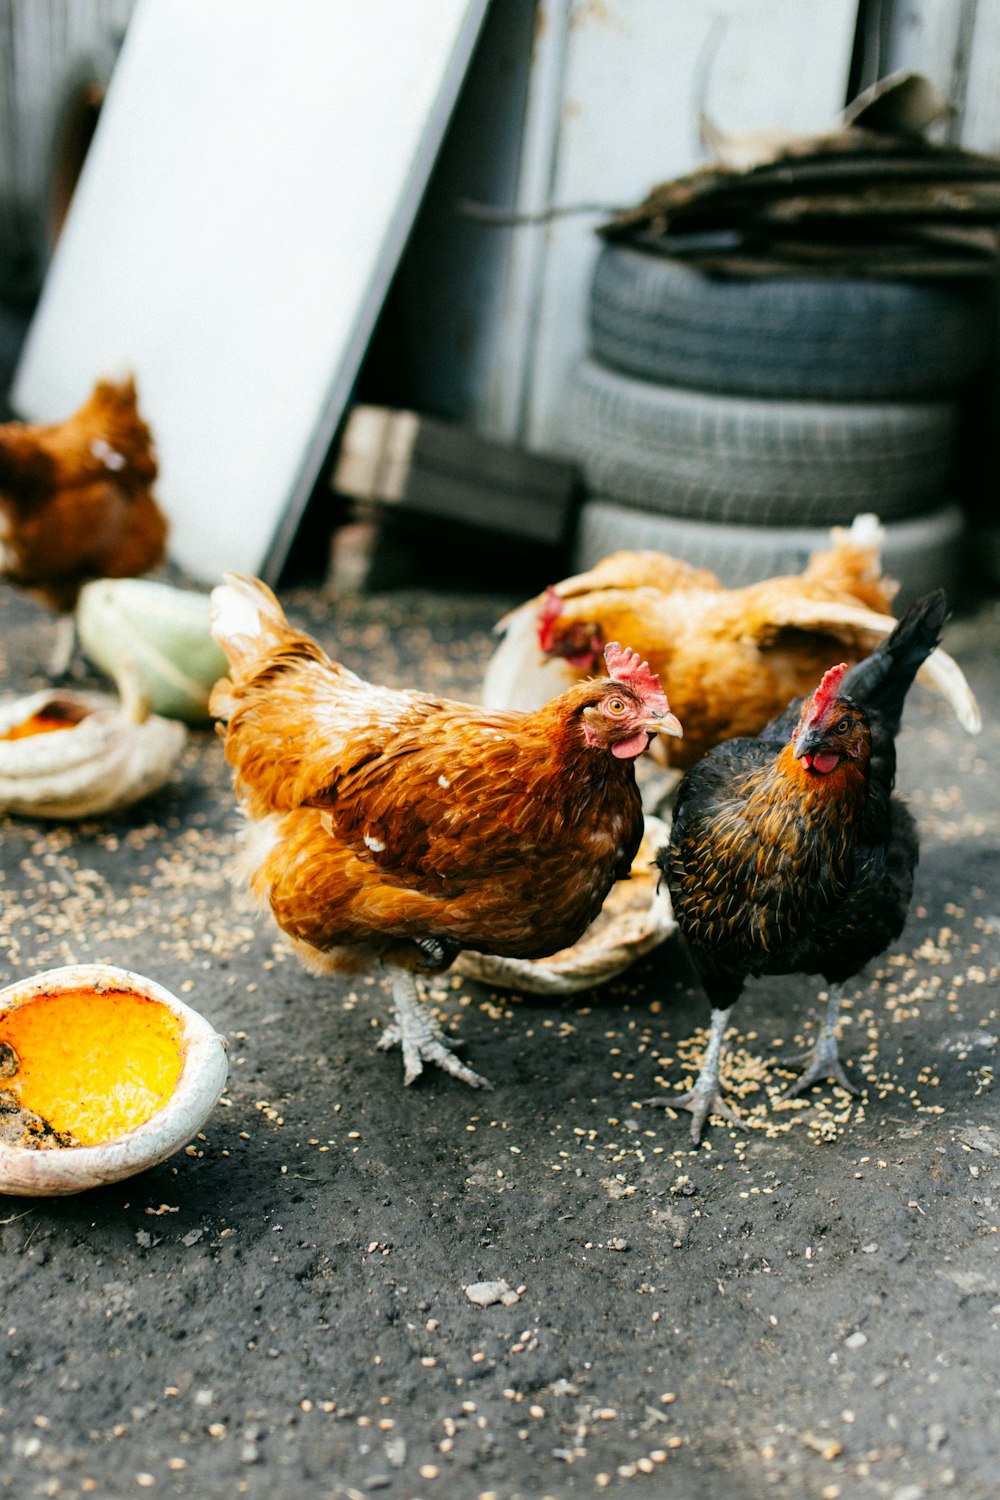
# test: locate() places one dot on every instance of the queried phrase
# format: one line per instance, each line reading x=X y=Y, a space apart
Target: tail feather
x=852 y=564
x=946 y=677
x=247 y=622
x=517 y=675
x=879 y=684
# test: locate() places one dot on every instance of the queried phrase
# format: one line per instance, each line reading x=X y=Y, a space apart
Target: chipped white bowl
x=160 y=632
x=113 y=755
x=53 y=1171
x=636 y=917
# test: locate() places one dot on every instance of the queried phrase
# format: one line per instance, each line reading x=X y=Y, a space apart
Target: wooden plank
x=444 y=448
x=416 y=464
x=450 y=497
x=375 y=452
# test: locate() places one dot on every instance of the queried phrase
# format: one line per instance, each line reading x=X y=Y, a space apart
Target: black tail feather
x=880 y=683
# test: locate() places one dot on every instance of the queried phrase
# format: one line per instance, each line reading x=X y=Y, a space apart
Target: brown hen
x=76 y=501
x=730 y=658
x=403 y=827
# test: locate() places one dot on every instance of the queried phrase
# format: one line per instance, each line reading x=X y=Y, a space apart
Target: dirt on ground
x=346 y=1288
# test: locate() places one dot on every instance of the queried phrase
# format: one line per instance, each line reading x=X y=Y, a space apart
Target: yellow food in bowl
x=53 y=716
x=89 y=1065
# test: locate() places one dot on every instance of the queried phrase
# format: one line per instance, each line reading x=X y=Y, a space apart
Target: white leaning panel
x=254 y=175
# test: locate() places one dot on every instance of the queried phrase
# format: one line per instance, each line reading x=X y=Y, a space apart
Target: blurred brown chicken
x=76 y=501
x=731 y=659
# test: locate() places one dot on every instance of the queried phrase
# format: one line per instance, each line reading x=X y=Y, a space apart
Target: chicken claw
x=706 y=1097
x=701 y=1103
x=421 y=1038
x=822 y=1061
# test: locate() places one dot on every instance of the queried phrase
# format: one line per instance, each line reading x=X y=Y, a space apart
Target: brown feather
x=75 y=498
x=731 y=659
x=386 y=817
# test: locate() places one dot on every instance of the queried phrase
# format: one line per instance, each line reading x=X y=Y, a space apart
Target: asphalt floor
x=810 y=1308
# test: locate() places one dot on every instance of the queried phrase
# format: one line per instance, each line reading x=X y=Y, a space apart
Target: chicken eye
x=615 y=706
x=842 y=727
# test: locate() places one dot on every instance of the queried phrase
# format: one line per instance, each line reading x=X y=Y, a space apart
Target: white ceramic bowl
x=131 y=1071
x=110 y=755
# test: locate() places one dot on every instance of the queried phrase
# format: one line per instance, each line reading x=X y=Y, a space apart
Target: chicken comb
x=827 y=692
x=625 y=666
x=548 y=614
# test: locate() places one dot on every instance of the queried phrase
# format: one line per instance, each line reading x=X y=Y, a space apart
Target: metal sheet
x=251 y=185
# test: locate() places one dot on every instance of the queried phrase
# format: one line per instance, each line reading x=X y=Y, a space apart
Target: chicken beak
x=805 y=743
x=665 y=724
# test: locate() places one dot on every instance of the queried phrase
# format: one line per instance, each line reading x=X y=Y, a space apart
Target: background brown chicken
x=730 y=658
x=403 y=827
x=76 y=502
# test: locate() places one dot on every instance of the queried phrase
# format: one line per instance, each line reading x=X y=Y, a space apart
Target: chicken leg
x=706 y=1097
x=421 y=1038
x=822 y=1061
x=63 y=647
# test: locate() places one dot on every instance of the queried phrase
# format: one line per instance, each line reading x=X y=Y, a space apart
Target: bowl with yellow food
x=103 y=1073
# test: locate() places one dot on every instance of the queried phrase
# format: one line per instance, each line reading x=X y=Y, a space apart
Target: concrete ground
x=809 y=1309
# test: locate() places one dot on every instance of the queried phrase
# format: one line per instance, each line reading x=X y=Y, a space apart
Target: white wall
x=249 y=190
x=958 y=46
x=615 y=95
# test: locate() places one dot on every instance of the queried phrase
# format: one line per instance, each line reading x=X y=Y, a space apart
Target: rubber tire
x=769 y=463
x=922 y=554
x=819 y=339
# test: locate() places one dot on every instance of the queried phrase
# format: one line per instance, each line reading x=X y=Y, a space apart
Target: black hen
x=789 y=852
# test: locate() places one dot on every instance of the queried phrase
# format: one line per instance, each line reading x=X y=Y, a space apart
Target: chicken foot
x=822 y=1061
x=706 y=1097
x=417 y=1031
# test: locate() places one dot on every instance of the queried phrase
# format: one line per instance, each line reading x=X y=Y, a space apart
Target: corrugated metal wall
x=49 y=50
x=957 y=44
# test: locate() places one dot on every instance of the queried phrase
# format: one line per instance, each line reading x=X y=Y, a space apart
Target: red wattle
x=823 y=763
x=626 y=749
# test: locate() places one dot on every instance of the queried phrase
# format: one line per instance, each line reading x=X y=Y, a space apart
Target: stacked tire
x=733 y=422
